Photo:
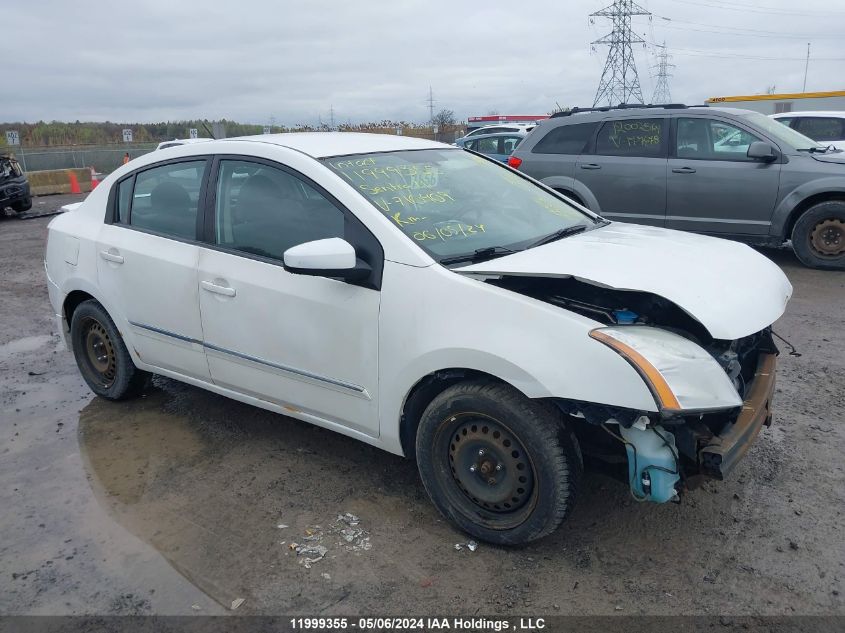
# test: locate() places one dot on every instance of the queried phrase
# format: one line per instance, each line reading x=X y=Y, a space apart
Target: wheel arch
x=72 y=301
x=806 y=204
x=427 y=389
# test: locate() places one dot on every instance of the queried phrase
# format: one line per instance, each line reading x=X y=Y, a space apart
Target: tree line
x=57 y=133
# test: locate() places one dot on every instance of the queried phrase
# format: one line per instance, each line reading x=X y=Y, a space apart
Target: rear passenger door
x=147 y=263
x=308 y=344
x=713 y=186
x=626 y=170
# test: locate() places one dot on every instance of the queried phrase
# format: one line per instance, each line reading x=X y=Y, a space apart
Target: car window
x=787 y=121
x=509 y=143
x=632 y=137
x=264 y=210
x=124 y=198
x=471 y=145
x=710 y=139
x=566 y=139
x=487 y=145
x=165 y=199
x=822 y=128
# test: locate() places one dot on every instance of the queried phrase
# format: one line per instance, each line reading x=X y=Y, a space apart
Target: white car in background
x=428 y=301
x=825 y=127
x=181 y=141
x=521 y=128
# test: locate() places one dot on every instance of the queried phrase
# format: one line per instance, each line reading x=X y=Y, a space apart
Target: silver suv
x=726 y=172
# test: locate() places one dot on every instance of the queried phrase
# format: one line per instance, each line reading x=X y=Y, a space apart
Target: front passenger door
x=309 y=344
x=713 y=186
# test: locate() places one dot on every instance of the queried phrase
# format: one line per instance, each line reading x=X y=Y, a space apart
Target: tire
x=818 y=237
x=22 y=205
x=472 y=428
x=101 y=354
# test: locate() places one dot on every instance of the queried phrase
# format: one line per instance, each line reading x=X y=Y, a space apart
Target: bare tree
x=443 y=118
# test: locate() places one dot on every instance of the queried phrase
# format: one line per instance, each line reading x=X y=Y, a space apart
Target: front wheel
x=818 y=237
x=497 y=464
x=22 y=205
x=101 y=354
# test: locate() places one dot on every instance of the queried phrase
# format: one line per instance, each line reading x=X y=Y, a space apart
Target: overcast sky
x=250 y=60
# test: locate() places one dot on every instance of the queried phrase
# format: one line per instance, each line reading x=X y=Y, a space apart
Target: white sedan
x=428 y=301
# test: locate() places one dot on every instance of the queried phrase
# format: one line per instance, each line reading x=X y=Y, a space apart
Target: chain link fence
x=103 y=158
x=106 y=158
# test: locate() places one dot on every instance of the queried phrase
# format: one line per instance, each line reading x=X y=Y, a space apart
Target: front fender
x=782 y=216
x=433 y=319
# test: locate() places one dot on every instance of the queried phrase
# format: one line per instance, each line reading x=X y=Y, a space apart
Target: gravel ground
x=183 y=501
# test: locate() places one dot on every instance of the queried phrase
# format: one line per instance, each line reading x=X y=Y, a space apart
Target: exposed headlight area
x=682 y=376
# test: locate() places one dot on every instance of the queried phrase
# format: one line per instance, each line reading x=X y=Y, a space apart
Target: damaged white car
x=431 y=302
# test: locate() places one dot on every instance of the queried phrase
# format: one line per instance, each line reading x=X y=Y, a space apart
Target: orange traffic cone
x=74 y=183
x=94 y=181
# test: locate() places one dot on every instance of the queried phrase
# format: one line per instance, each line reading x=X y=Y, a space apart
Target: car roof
x=811 y=113
x=495 y=134
x=326 y=144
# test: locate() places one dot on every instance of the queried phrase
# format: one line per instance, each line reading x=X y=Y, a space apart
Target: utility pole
x=661 y=89
x=430 y=102
x=331 y=117
x=806 y=67
x=619 y=80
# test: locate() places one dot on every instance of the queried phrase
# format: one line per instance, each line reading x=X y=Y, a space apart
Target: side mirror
x=760 y=150
x=332 y=257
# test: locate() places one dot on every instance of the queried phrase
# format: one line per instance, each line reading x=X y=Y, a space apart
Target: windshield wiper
x=477 y=255
x=559 y=234
x=818 y=149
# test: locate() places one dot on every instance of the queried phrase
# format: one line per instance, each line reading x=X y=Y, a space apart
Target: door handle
x=112 y=256
x=683 y=170
x=590 y=166
x=226 y=291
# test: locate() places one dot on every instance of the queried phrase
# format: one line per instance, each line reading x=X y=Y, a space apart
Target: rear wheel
x=500 y=466
x=102 y=356
x=818 y=237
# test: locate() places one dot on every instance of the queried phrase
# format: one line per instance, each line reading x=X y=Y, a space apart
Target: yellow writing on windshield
x=457 y=230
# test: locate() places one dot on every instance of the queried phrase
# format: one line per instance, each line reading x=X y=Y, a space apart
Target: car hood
x=729 y=288
x=830 y=157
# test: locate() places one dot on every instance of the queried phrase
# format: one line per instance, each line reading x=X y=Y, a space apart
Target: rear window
x=632 y=137
x=822 y=128
x=566 y=139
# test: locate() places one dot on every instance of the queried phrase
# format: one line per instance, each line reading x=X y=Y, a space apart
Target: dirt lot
x=171 y=504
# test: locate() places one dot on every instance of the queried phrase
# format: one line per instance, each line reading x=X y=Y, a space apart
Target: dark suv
x=726 y=172
x=14 y=187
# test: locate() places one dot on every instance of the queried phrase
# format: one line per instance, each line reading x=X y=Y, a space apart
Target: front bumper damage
x=718 y=456
x=661 y=456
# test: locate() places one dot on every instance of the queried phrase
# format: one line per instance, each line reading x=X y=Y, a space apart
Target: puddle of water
x=206 y=481
x=26 y=344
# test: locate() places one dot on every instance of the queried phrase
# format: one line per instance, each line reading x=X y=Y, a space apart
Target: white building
x=789 y=102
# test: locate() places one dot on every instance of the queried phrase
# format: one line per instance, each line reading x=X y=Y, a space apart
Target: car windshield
x=452 y=202
x=780 y=132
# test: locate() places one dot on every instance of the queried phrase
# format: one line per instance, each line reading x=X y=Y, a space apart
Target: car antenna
x=210 y=133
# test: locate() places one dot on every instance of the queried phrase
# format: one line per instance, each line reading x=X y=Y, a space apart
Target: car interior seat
x=171 y=211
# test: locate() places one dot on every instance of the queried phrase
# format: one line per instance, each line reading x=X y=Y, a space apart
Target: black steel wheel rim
x=99 y=353
x=490 y=475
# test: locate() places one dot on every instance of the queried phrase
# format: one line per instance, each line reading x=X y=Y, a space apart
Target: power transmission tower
x=430 y=102
x=661 y=89
x=619 y=80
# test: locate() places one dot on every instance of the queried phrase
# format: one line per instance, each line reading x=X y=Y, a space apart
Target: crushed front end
x=713 y=395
